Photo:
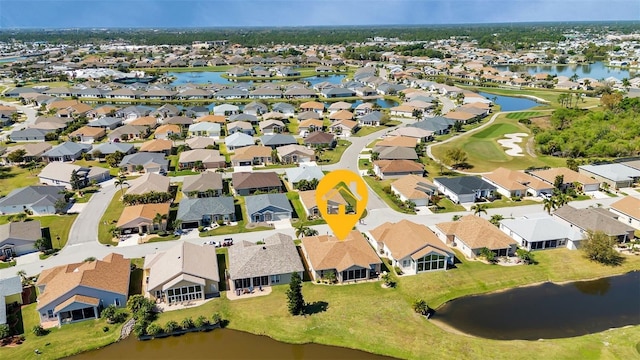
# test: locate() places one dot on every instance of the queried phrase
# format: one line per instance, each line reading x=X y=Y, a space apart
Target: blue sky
x=246 y=13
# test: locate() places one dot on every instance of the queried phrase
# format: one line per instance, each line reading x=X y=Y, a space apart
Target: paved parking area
x=77 y=208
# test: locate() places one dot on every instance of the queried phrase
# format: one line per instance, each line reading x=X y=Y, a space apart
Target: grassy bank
x=365 y=316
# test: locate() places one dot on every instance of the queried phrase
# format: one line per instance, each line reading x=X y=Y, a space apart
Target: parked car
x=211 y=242
x=227 y=242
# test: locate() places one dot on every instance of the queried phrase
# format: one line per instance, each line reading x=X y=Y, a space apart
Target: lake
x=215 y=77
x=597 y=70
x=510 y=103
x=547 y=311
x=221 y=344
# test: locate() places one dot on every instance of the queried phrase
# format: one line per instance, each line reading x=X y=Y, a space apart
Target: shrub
x=187 y=323
x=105 y=329
x=4 y=331
x=216 y=318
x=397 y=269
x=39 y=330
x=420 y=306
x=154 y=329
x=201 y=321
x=200 y=228
x=171 y=326
x=140 y=328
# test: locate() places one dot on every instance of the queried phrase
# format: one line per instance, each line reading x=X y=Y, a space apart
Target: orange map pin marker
x=342 y=199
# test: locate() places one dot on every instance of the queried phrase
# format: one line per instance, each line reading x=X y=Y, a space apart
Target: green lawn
x=523 y=115
x=109 y=219
x=15 y=177
x=378 y=186
x=507 y=202
x=484 y=154
x=354 y=310
x=364 y=164
x=59 y=225
x=368 y=130
x=445 y=205
x=292 y=126
x=60 y=342
x=294 y=199
x=333 y=156
x=241 y=227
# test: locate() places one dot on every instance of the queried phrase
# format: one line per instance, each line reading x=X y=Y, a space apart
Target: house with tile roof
x=252 y=266
x=470 y=234
x=271 y=126
x=163 y=146
x=205 y=184
x=19 y=238
x=33 y=152
x=76 y=292
x=570 y=178
x=207 y=129
x=541 y=231
x=140 y=218
x=344 y=128
x=247 y=183
x=251 y=156
x=59 y=173
x=240 y=126
x=397 y=168
x=627 y=210
x=183 y=273
x=194 y=212
x=347 y=260
x=39 y=200
x=295 y=154
x=310 y=204
x=200 y=142
x=512 y=183
x=414 y=188
x=411 y=247
x=210 y=159
x=165 y=131
x=147 y=183
x=88 y=134
x=129 y=133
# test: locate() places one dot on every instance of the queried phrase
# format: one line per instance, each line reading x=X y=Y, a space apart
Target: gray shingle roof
x=256 y=203
x=67 y=148
x=278 y=255
x=464 y=184
x=593 y=219
x=202 y=182
x=142 y=158
x=541 y=229
x=44 y=195
x=277 y=140
x=194 y=209
x=110 y=148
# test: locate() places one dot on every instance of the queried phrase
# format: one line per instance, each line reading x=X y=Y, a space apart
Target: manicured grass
x=4 y=264
x=506 y=202
x=364 y=164
x=294 y=199
x=109 y=219
x=240 y=219
x=485 y=154
x=523 y=115
x=15 y=177
x=183 y=173
x=60 y=342
x=367 y=130
x=355 y=311
x=445 y=205
x=275 y=166
x=378 y=186
x=292 y=126
x=333 y=156
x=59 y=225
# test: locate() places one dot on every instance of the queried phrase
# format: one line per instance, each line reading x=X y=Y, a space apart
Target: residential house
x=87 y=134
x=238 y=140
x=347 y=260
x=246 y=183
x=194 y=212
x=303 y=172
x=595 y=219
x=149 y=182
x=284 y=108
x=414 y=188
x=226 y=109
x=295 y=154
x=541 y=231
x=141 y=218
x=252 y=119
x=128 y=133
x=147 y=162
x=411 y=247
x=185 y=272
x=268 y=207
x=205 y=129
x=163 y=146
x=341 y=115
x=33 y=152
x=258 y=108
x=166 y=131
x=310 y=204
x=437 y=125
x=251 y=156
x=308 y=126
x=200 y=142
x=38 y=200
x=396 y=153
x=397 y=168
x=616 y=175
x=150 y=122
x=308 y=115
x=320 y=139
x=344 y=128
x=461 y=116
x=472 y=233
x=339 y=106
x=240 y=126
x=10 y=293
x=104 y=149
x=373 y=118
x=314 y=106
x=270 y=127
x=19 y=238
x=209 y=159
x=57 y=173
x=464 y=189
x=78 y=291
x=570 y=178
x=205 y=184
x=253 y=266
x=512 y=183
x=107 y=123
x=419 y=134
x=627 y=211
x=67 y=151
x=276 y=140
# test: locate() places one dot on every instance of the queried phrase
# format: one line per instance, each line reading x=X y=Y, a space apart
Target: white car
x=211 y=242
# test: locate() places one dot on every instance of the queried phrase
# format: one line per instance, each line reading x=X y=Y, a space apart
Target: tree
x=456 y=157
x=489 y=255
x=114 y=159
x=598 y=246
x=495 y=219
x=41 y=244
x=176 y=224
x=23 y=277
x=420 y=306
x=120 y=182
x=159 y=219
x=4 y=331
x=457 y=126
x=77 y=182
x=435 y=199
x=456 y=217
x=17 y=156
x=60 y=205
x=478 y=209
x=525 y=256
x=375 y=155
x=294 y=295
x=611 y=101
x=549 y=204
x=97 y=154
x=302 y=231
x=558 y=182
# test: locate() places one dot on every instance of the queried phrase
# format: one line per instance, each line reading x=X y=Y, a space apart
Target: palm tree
x=158 y=219
x=495 y=219
x=300 y=230
x=176 y=224
x=23 y=276
x=121 y=181
x=549 y=204
x=478 y=209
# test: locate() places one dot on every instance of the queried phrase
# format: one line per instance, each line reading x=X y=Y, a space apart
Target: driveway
x=29 y=111
x=85 y=228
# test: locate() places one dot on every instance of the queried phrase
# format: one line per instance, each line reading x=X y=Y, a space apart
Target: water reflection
x=595 y=287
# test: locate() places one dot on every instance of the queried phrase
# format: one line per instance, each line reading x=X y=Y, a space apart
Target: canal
x=221 y=344
x=510 y=103
x=547 y=311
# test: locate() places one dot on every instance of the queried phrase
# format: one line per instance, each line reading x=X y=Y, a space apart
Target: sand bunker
x=511 y=143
